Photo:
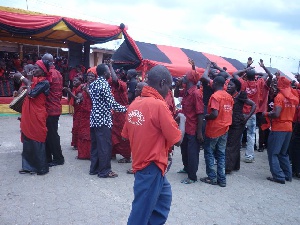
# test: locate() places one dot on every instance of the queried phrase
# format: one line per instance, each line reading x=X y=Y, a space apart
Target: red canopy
x=142 y=56
x=17 y=25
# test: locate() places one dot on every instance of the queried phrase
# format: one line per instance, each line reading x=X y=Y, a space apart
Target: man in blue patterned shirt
x=101 y=123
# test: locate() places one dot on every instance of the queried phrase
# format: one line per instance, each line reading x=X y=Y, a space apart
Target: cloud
x=231 y=28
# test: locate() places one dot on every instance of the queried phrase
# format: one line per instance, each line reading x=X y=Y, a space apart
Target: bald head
x=159 y=78
x=48 y=57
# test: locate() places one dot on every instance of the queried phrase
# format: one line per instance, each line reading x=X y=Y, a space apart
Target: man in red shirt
x=281 y=117
x=53 y=106
x=252 y=87
x=219 y=118
x=192 y=108
x=151 y=131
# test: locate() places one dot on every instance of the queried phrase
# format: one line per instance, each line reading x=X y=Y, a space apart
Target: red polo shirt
x=151 y=130
x=192 y=106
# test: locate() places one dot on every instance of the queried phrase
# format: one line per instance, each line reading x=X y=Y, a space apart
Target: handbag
x=17 y=102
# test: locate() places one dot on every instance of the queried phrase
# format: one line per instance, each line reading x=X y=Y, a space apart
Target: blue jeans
x=278 y=143
x=190 y=148
x=251 y=126
x=152 y=197
x=215 y=147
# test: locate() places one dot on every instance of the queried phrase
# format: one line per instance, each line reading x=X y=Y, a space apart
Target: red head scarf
x=284 y=87
x=42 y=66
x=93 y=70
x=193 y=76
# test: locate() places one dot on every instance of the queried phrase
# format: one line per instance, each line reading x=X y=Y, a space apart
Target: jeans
x=278 y=143
x=251 y=126
x=190 y=148
x=152 y=197
x=215 y=147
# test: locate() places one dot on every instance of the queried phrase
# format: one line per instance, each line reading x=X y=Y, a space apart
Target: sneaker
x=222 y=184
x=249 y=159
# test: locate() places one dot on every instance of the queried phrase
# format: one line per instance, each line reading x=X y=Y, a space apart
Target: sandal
x=111 y=174
x=24 y=171
x=130 y=171
x=182 y=171
x=124 y=160
x=208 y=181
x=188 y=181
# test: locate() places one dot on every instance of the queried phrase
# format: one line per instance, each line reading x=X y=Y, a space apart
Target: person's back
x=148 y=117
x=151 y=131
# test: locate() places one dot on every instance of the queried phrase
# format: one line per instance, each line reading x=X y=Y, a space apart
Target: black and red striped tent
x=142 y=56
x=22 y=26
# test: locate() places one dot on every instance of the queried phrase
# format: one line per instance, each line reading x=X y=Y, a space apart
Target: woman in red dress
x=84 y=137
x=33 y=122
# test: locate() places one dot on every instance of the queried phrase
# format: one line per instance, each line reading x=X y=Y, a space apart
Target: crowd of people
x=10 y=63
x=116 y=114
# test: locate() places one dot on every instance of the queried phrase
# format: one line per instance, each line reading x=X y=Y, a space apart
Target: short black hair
x=101 y=69
x=250 y=73
x=219 y=80
x=237 y=83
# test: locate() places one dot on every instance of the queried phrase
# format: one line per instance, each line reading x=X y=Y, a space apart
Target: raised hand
x=191 y=61
x=249 y=62
x=261 y=63
x=214 y=65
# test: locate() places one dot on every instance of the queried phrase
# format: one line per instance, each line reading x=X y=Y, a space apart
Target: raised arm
x=112 y=71
x=269 y=75
x=239 y=73
x=205 y=76
x=219 y=68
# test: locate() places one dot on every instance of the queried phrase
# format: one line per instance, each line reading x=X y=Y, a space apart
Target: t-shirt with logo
x=151 y=130
x=223 y=102
x=252 y=89
x=285 y=119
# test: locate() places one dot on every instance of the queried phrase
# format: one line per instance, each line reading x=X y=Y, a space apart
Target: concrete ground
x=69 y=195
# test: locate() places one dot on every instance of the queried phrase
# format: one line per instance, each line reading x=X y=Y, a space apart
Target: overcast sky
x=231 y=28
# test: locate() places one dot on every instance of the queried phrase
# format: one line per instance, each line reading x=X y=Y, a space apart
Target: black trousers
x=294 y=149
x=101 y=148
x=53 y=148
